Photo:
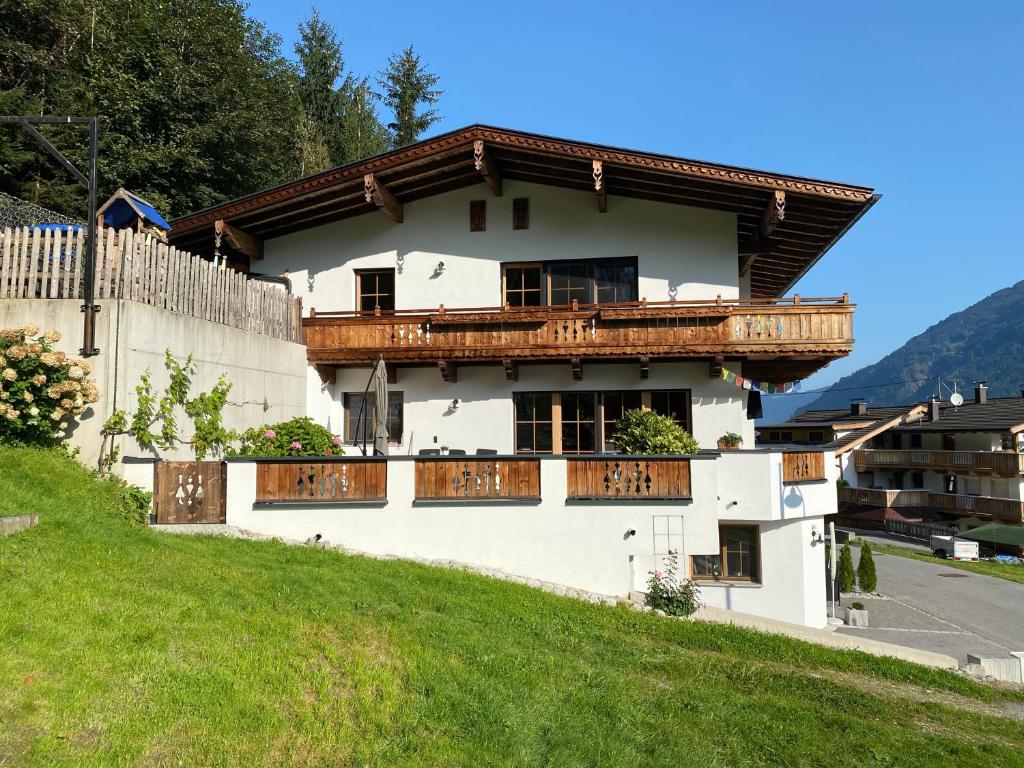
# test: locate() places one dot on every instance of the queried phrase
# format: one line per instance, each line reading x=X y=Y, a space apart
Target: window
x=915 y=441
x=1007 y=442
x=917 y=479
x=523 y=285
x=816 y=437
x=674 y=403
x=579 y=422
x=521 y=213
x=773 y=436
x=949 y=483
x=533 y=422
x=948 y=442
x=738 y=558
x=477 y=215
x=615 y=406
x=375 y=289
x=360 y=418
x=559 y=283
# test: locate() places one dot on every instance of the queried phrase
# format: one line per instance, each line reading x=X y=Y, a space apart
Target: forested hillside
x=983 y=342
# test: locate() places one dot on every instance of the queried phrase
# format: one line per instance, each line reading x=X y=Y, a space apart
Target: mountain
x=983 y=342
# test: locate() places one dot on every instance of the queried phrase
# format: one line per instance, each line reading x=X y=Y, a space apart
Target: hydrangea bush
x=296 y=437
x=43 y=392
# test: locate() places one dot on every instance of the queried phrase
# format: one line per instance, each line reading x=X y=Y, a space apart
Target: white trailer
x=952 y=547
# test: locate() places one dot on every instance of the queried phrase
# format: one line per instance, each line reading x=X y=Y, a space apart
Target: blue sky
x=920 y=100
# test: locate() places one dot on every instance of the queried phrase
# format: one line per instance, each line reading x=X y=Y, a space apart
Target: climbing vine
x=154 y=422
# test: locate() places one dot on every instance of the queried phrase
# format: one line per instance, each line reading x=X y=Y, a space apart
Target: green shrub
x=640 y=433
x=135 y=503
x=866 y=574
x=298 y=437
x=666 y=593
x=847 y=580
x=42 y=392
x=730 y=440
x=857 y=605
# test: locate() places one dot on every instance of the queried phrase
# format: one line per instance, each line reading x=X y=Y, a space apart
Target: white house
x=524 y=291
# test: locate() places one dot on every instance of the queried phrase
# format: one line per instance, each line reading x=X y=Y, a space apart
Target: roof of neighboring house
x=998 y=414
x=997 y=533
x=855 y=428
x=814 y=213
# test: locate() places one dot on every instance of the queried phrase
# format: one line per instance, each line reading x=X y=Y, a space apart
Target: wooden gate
x=189 y=491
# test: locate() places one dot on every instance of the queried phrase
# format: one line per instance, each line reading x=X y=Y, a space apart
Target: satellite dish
x=956 y=399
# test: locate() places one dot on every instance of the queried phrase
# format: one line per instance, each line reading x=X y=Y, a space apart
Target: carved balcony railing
x=1008 y=510
x=996 y=462
x=807 y=332
x=316 y=480
x=628 y=477
x=475 y=478
x=803 y=466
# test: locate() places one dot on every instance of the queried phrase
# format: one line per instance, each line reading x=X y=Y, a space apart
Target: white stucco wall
x=682 y=252
x=485 y=418
x=579 y=544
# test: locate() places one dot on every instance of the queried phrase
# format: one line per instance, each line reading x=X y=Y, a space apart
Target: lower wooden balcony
x=776 y=339
x=1006 y=510
x=986 y=462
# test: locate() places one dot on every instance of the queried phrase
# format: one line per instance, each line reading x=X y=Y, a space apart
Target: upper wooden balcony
x=1005 y=510
x=778 y=339
x=1007 y=463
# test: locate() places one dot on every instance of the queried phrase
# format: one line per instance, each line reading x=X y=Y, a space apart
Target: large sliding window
x=534 y=433
x=559 y=283
x=739 y=557
x=585 y=422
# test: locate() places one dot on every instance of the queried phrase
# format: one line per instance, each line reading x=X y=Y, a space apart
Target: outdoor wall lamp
x=454 y=405
x=631 y=532
x=816 y=538
x=438 y=270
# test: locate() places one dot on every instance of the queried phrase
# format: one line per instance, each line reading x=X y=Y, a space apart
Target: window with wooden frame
x=559 y=283
x=739 y=557
x=521 y=213
x=579 y=422
x=816 y=436
x=477 y=215
x=523 y=285
x=361 y=417
x=375 y=289
x=674 y=403
x=534 y=422
x=613 y=407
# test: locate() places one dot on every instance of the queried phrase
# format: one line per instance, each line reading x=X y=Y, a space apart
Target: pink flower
x=270 y=434
x=296 y=444
x=658 y=575
x=336 y=441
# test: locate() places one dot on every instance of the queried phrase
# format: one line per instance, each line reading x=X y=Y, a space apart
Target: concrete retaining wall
x=268 y=376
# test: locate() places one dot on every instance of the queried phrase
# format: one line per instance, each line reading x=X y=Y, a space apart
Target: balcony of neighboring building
x=1005 y=463
x=775 y=340
x=1003 y=509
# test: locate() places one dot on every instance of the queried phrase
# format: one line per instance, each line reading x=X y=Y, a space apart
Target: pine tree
x=866 y=569
x=311 y=152
x=361 y=133
x=847 y=580
x=406 y=84
x=320 y=67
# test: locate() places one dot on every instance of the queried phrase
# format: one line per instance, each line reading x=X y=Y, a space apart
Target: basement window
x=739 y=557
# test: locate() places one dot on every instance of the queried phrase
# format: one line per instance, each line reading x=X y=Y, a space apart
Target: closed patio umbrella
x=380 y=404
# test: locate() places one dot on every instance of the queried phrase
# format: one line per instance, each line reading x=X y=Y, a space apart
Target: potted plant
x=856 y=615
x=730 y=441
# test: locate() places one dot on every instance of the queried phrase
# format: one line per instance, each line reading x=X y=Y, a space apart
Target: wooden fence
x=38 y=264
x=475 y=478
x=322 y=482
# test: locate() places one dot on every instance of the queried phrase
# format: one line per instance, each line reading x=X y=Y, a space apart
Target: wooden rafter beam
x=487 y=167
x=381 y=196
x=774 y=213
x=715 y=367
x=449 y=372
x=511 y=369
x=239 y=241
x=577 y=368
x=600 y=186
x=763 y=243
x=645 y=367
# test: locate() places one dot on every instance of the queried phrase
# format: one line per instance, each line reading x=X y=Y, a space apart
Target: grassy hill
x=983 y=342
x=123 y=646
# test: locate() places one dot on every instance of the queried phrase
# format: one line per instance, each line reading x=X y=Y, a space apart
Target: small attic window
x=477 y=215
x=521 y=213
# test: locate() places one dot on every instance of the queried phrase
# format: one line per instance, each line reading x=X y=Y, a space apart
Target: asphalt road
x=943 y=609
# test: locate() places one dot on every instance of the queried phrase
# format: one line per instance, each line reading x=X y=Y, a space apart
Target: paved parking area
x=937 y=608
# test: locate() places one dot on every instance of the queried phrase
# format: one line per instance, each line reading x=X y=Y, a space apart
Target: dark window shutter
x=477 y=215
x=521 y=213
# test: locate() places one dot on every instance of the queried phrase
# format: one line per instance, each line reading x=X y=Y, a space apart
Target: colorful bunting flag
x=761 y=386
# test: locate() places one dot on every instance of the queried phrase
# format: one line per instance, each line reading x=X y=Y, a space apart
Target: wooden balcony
x=625 y=478
x=1005 y=463
x=471 y=478
x=1006 y=510
x=803 y=467
x=320 y=481
x=779 y=339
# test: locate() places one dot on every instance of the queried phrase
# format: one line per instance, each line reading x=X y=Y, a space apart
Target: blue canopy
x=58 y=227
x=124 y=211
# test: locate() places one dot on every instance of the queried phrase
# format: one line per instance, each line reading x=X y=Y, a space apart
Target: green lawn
x=122 y=646
x=986 y=567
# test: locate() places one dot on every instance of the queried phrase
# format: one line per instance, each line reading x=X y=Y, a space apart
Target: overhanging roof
x=817 y=213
